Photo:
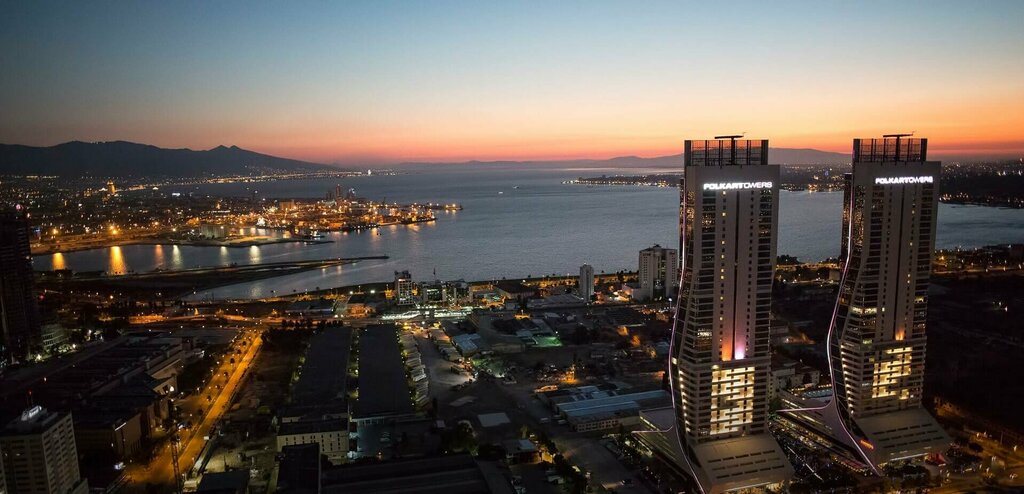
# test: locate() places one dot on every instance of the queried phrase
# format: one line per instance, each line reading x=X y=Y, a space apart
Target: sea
x=517 y=221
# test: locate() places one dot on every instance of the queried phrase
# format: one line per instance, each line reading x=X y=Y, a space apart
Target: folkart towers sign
x=737 y=185
x=924 y=179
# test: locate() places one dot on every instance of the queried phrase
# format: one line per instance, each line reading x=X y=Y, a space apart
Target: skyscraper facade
x=720 y=355
x=658 y=271
x=19 y=316
x=586 y=282
x=876 y=342
x=39 y=454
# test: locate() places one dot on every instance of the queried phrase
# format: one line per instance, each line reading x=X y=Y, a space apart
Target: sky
x=390 y=81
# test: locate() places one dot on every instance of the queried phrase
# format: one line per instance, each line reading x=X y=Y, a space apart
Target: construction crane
x=174 y=460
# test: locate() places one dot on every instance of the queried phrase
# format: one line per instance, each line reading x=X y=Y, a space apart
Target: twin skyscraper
x=720 y=356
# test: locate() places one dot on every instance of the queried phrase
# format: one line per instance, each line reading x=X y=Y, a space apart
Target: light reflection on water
x=117 y=264
x=177 y=262
x=58 y=261
x=542 y=227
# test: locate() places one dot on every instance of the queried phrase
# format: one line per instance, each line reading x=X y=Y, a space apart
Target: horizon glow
x=384 y=82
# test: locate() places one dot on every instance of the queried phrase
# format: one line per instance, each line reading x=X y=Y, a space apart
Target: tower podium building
x=876 y=341
x=720 y=356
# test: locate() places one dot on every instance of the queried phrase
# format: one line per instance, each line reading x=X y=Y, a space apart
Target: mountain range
x=780 y=156
x=121 y=159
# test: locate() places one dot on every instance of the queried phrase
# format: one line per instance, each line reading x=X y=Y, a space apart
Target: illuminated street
x=160 y=470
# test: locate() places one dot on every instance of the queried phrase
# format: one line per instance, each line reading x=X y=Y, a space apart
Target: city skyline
x=374 y=83
x=511 y=247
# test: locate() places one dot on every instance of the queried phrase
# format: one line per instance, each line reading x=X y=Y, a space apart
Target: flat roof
x=312 y=427
x=457 y=474
x=742 y=462
x=323 y=382
x=382 y=386
x=32 y=421
x=231 y=481
x=580 y=406
x=903 y=434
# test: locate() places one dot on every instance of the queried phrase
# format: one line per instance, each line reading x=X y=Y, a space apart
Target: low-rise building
x=319 y=407
x=317 y=309
x=383 y=391
x=514 y=290
x=331 y=434
x=789 y=374
x=592 y=408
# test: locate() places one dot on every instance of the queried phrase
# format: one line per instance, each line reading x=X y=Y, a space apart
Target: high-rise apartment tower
x=20 y=327
x=658 y=271
x=586 y=282
x=720 y=355
x=876 y=342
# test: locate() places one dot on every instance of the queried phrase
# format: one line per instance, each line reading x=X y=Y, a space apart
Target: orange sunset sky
x=381 y=82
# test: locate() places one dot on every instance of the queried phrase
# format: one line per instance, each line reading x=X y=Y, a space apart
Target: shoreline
x=47 y=250
x=180 y=243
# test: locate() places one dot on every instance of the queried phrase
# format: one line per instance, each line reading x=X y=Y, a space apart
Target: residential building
x=20 y=324
x=659 y=273
x=721 y=359
x=39 y=454
x=403 y=288
x=876 y=341
x=586 y=283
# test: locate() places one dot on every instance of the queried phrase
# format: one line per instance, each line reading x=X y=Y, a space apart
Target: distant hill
x=781 y=156
x=122 y=159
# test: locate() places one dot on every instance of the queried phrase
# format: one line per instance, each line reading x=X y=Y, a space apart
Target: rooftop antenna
x=732 y=145
x=732 y=137
x=898 y=137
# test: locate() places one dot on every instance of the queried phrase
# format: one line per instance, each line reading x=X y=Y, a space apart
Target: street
x=161 y=470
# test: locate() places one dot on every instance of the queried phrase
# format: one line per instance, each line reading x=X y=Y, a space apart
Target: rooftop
x=382 y=386
x=32 y=421
x=311 y=427
x=324 y=379
x=224 y=482
x=458 y=474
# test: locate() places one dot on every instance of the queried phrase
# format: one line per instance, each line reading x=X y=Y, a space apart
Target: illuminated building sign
x=924 y=179
x=737 y=185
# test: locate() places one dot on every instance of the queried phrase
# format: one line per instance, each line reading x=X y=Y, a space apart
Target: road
x=161 y=469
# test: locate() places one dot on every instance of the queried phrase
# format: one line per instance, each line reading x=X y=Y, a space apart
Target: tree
x=581 y=335
x=459 y=439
